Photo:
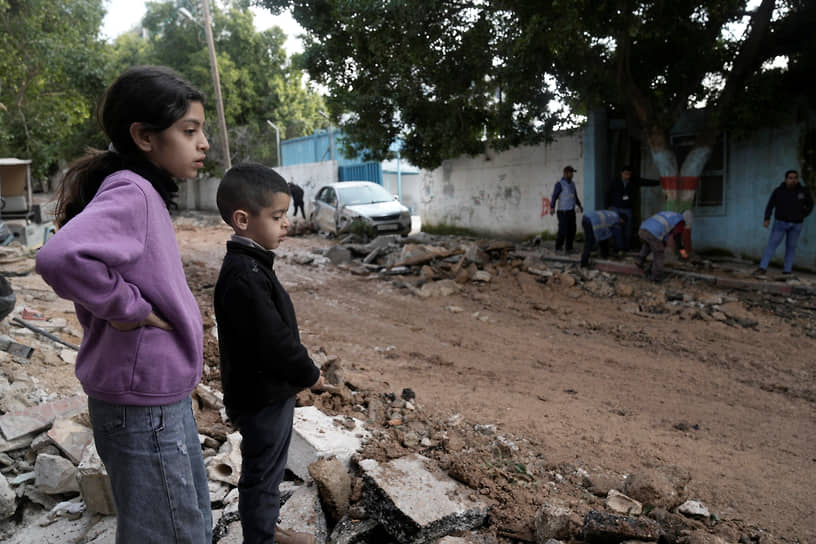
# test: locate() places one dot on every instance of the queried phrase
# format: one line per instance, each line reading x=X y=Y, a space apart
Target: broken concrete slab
x=352 y=531
x=303 y=513
x=620 y=503
x=416 y=502
x=315 y=435
x=601 y=527
x=30 y=420
x=8 y=499
x=55 y=474
x=226 y=465
x=94 y=483
x=334 y=485
x=70 y=437
x=16 y=444
x=553 y=521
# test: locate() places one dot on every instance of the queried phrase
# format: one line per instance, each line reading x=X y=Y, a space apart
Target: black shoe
x=640 y=263
x=760 y=272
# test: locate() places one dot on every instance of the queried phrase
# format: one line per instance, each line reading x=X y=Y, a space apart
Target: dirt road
x=591 y=385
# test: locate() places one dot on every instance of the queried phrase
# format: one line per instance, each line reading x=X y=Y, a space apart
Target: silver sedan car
x=336 y=205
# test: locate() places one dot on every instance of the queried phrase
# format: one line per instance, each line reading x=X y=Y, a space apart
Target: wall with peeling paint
x=756 y=166
x=501 y=194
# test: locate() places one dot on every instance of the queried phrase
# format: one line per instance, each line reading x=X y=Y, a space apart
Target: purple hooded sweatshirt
x=116 y=261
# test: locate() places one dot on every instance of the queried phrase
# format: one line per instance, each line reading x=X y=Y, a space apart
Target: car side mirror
x=396 y=197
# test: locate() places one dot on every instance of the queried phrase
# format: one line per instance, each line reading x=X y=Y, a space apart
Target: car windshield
x=363 y=194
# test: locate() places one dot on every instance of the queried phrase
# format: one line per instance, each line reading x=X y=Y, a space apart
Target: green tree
x=53 y=68
x=449 y=76
x=257 y=81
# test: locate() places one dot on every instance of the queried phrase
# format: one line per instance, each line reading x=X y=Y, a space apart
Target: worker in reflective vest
x=567 y=196
x=599 y=227
x=655 y=232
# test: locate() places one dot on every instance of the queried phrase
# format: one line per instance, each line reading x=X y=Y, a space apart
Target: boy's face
x=269 y=227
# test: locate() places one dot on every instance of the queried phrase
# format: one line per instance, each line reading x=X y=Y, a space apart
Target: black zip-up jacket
x=262 y=359
x=792 y=205
x=623 y=196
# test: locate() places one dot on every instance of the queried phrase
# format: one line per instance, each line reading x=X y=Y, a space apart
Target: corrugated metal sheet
x=314 y=148
x=367 y=171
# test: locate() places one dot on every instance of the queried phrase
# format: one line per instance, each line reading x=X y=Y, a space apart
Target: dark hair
x=155 y=96
x=248 y=186
x=791 y=172
x=626 y=168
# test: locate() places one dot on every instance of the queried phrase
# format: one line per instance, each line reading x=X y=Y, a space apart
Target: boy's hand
x=318 y=385
x=152 y=320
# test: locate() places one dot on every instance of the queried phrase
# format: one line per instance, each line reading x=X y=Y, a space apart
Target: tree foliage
x=257 y=81
x=53 y=68
x=449 y=76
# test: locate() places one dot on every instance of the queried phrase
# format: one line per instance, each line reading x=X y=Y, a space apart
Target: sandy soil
x=579 y=386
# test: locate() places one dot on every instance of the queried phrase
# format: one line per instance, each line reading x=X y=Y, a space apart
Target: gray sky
x=124 y=14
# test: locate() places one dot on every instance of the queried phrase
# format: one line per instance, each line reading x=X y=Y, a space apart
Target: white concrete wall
x=502 y=194
x=311 y=176
x=199 y=194
x=411 y=189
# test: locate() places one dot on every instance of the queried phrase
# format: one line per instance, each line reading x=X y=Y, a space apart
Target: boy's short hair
x=248 y=186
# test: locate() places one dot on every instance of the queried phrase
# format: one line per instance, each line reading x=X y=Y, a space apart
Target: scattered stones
x=694 y=508
x=620 y=503
x=601 y=527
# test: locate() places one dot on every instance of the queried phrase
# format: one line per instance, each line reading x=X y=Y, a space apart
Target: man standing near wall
x=567 y=193
x=792 y=203
x=621 y=198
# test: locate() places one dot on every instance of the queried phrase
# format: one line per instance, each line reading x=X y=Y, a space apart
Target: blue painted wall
x=314 y=148
x=756 y=166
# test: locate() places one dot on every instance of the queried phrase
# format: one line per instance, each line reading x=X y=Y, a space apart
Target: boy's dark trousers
x=566 y=229
x=264 y=446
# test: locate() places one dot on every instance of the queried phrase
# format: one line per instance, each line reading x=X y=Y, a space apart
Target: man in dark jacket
x=792 y=203
x=297 y=198
x=620 y=198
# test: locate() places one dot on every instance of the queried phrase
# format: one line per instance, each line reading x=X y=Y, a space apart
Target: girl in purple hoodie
x=116 y=257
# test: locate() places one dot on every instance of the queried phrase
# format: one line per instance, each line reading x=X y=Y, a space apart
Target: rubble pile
x=366 y=468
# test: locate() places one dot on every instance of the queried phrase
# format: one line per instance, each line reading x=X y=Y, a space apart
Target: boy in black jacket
x=263 y=363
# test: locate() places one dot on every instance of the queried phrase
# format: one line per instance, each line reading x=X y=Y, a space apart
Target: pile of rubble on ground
x=378 y=471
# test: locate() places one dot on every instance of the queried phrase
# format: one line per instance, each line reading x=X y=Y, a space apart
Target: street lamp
x=331 y=132
x=219 y=105
x=277 y=139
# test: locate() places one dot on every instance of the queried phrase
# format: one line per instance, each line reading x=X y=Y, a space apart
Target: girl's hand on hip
x=152 y=320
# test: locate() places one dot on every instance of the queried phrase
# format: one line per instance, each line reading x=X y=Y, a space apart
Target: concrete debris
x=303 y=513
x=601 y=527
x=316 y=435
x=553 y=522
x=30 y=420
x=416 y=502
x=55 y=474
x=352 y=531
x=620 y=503
x=8 y=499
x=334 y=485
x=70 y=437
x=226 y=465
x=694 y=508
x=94 y=484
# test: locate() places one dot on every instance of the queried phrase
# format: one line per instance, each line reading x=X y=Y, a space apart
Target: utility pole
x=219 y=105
x=277 y=139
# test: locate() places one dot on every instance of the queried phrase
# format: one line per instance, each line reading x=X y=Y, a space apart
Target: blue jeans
x=789 y=231
x=623 y=237
x=153 y=457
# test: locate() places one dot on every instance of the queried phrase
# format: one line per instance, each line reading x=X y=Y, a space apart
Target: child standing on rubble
x=116 y=257
x=263 y=363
